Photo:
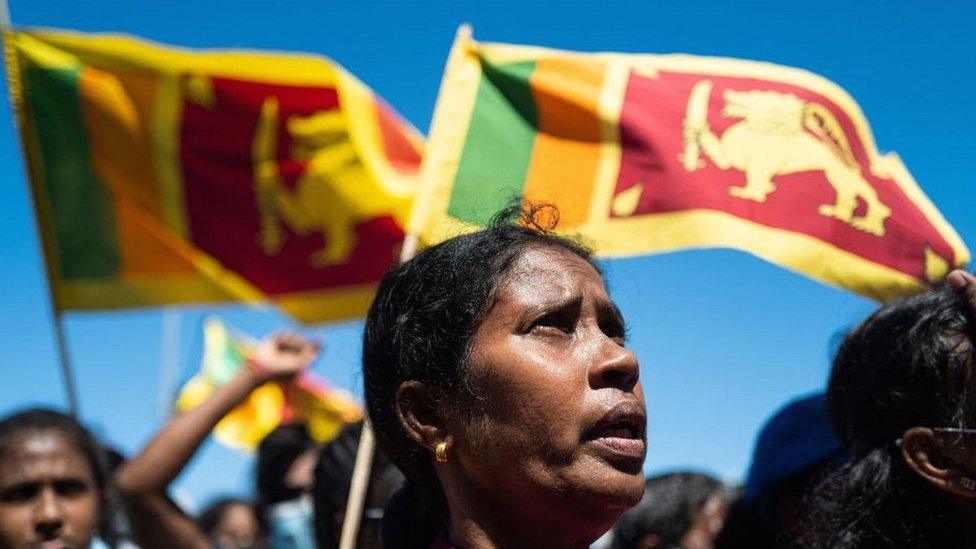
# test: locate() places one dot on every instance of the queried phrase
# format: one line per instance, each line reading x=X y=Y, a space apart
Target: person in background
x=901 y=397
x=795 y=448
x=498 y=380
x=333 y=476
x=286 y=461
x=54 y=489
x=143 y=481
x=231 y=523
x=680 y=510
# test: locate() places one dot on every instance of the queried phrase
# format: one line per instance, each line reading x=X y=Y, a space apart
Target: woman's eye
x=616 y=332
x=71 y=487
x=19 y=493
x=553 y=323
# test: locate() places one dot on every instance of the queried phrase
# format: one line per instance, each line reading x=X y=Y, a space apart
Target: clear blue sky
x=723 y=338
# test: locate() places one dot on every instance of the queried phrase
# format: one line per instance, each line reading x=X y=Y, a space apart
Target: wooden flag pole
x=367 y=448
x=171 y=340
x=70 y=388
x=16 y=108
x=358 y=487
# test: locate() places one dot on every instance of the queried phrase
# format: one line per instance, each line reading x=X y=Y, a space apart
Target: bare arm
x=143 y=481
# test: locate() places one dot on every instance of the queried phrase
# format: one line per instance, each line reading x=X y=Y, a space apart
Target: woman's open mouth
x=619 y=434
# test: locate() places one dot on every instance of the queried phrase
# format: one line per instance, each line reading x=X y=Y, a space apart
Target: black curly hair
x=910 y=364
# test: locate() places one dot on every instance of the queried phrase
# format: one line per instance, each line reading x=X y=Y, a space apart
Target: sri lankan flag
x=652 y=153
x=307 y=398
x=165 y=175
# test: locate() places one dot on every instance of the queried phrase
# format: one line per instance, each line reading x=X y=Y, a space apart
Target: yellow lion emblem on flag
x=334 y=192
x=781 y=134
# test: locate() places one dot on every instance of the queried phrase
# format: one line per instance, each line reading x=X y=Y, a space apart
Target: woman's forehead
x=550 y=273
x=42 y=441
x=46 y=451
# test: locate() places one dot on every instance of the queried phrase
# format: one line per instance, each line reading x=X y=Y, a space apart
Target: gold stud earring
x=440 y=452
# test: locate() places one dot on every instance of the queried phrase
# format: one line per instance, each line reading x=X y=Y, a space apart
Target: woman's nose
x=48 y=515
x=616 y=368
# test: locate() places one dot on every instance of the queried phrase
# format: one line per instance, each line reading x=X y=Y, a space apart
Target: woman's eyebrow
x=555 y=304
x=610 y=311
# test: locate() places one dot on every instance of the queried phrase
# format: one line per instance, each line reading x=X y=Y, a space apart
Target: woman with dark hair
x=498 y=381
x=682 y=510
x=900 y=397
x=53 y=483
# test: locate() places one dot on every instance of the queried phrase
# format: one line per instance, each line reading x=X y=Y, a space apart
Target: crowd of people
x=508 y=412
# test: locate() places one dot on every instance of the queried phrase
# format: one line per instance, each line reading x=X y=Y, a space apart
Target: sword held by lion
x=781 y=134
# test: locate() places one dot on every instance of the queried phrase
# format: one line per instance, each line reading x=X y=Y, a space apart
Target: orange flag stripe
x=566 y=152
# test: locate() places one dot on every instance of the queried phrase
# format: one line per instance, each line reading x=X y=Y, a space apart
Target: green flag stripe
x=498 y=146
x=80 y=206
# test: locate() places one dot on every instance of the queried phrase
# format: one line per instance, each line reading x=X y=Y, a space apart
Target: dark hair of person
x=908 y=365
x=771 y=518
x=333 y=477
x=420 y=327
x=667 y=509
x=745 y=527
x=117 y=527
x=277 y=452
x=212 y=514
x=38 y=420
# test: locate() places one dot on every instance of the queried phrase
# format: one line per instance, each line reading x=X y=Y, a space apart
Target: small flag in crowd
x=166 y=175
x=307 y=398
x=652 y=153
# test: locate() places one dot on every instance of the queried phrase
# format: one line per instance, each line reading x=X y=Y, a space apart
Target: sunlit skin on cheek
x=548 y=367
x=47 y=493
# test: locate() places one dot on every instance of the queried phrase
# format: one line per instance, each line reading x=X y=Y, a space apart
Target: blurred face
x=48 y=496
x=559 y=422
x=238 y=527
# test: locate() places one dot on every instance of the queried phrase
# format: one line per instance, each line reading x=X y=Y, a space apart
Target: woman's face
x=238 y=527
x=559 y=422
x=48 y=495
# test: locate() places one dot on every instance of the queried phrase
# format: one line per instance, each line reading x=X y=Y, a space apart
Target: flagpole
x=5 y=24
x=358 y=487
x=170 y=346
x=367 y=448
x=15 y=106
x=70 y=388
